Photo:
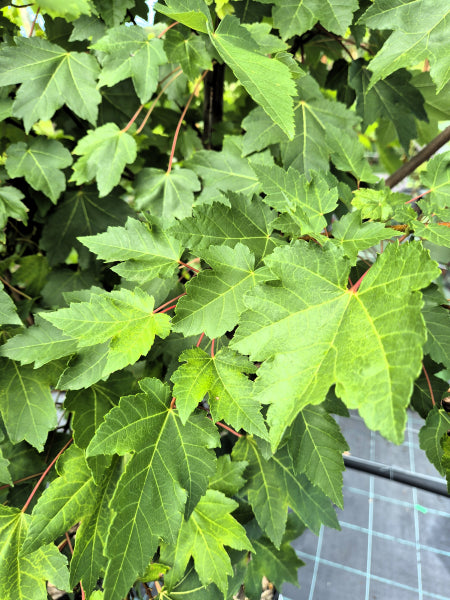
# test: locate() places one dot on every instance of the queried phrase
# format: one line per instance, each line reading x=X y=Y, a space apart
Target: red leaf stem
x=197 y=344
x=167 y=29
x=212 y=348
x=34 y=22
x=220 y=424
x=180 y=122
x=182 y=264
x=41 y=479
x=355 y=286
x=153 y=104
x=2 y=487
x=168 y=302
x=429 y=384
x=69 y=543
x=172 y=402
x=166 y=309
x=418 y=197
x=83 y=595
x=133 y=119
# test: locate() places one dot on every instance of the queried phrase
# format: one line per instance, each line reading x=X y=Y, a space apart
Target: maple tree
x=201 y=266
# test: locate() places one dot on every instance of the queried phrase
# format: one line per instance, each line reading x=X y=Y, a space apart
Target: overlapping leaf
x=313 y=332
x=11 y=207
x=437 y=320
x=431 y=434
x=192 y=13
x=8 y=312
x=230 y=392
x=419 y=30
x=50 y=77
x=67 y=10
x=437 y=179
x=130 y=52
x=260 y=76
x=170 y=466
x=189 y=50
x=113 y=11
x=41 y=163
x=214 y=298
x=23 y=577
x=228 y=476
x=104 y=153
x=209 y=528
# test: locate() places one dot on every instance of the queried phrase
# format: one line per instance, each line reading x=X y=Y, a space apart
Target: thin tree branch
x=419 y=158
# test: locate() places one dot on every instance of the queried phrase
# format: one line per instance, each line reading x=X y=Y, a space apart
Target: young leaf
x=230 y=392
x=359 y=328
x=50 y=77
x=25 y=576
x=130 y=52
x=418 y=34
x=209 y=528
x=144 y=252
x=170 y=466
x=40 y=163
x=192 y=13
x=246 y=220
x=316 y=446
x=430 y=436
x=380 y=205
x=167 y=195
x=189 y=50
x=268 y=81
x=63 y=503
x=26 y=405
x=214 y=297
x=104 y=153
x=8 y=312
x=433 y=232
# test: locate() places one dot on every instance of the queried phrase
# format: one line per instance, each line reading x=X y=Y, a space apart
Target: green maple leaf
x=50 y=77
x=113 y=11
x=354 y=235
x=68 y=10
x=419 y=28
x=433 y=232
x=23 y=577
x=230 y=392
x=63 y=503
x=348 y=154
x=88 y=560
x=63 y=280
x=421 y=399
x=437 y=322
x=247 y=220
x=378 y=204
x=214 y=298
x=170 y=466
x=268 y=81
x=113 y=319
x=192 y=13
x=145 y=252
x=436 y=179
x=39 y=344
x=131 y=52
x=41 y=163
x=273 y=485
x=430 y=435
x=167 y=195
x=26 y=405
x=295 y=17
x=8 y=311
x=316 y=446
x=306 y=201
x=261 y=131
x=189 y=50
x=204 y=535
x=279 y=566
x=226 y=170
x=394 y=98
x=104 y=153
x=436 y=104
x=11 y=207
x=80 y=213
x=313 y=331
x=228 y=477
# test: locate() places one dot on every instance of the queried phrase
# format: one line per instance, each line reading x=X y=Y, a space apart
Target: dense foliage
x=202 y=263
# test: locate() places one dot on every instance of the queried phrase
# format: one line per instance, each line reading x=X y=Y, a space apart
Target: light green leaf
x=433 y=232
x=295 y=17
x=214 y=298
x=80 y=213
x=268 y=81
x=26 y=405
x=247 y=220
x=67 y=10
x=228 y=476
x=230 y=392
x=436 y=426
x=192 y=13
x=131 y=52
x=8 y=311
x=144 y=252
x=189 y=50
x=420 y=26
x=316 y=446
x=314 y=331
x=41 y=163
x=63 y=503
x=167 y=195
x=436 y=179
x=11 y=207
x=437 y=320
x=306 y=201
x=50 y=77
x=261 y=131
x=394 y=98
x=41 y=343
x=24 y=577
x=354 y=235
x=348 y=154
x=209 y=528
x=104 y=153
x=437 y=106
x=171 y=464
x=378 y=204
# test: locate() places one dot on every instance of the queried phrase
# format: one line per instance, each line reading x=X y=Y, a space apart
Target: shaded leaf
x=11 y=207
x=8 y=311
x=228 y=477
x=430 y=435
x=192 y=13
x=189 y=50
